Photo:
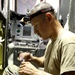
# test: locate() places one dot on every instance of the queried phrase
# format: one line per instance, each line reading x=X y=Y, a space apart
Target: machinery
x=23 y=40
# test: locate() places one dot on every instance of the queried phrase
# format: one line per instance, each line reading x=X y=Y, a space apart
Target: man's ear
x=49 y=16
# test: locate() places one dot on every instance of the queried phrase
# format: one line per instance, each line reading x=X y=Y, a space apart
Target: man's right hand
x=25 y=56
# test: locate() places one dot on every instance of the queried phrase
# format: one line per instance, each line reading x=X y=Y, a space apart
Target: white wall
x=54 y=3
x=12 y=5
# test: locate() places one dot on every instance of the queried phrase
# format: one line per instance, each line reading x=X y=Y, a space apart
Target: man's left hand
x=26 y=68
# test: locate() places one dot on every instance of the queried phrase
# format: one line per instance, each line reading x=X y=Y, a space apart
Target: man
x=59 y=57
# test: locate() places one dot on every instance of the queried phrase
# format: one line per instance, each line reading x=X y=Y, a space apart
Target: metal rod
x=5 y=61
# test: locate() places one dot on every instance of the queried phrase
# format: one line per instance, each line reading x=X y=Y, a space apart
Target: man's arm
x=38 y=61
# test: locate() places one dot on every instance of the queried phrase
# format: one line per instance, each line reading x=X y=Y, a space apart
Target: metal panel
x=72 y=16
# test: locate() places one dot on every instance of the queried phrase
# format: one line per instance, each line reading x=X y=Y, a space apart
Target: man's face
x=40 y=27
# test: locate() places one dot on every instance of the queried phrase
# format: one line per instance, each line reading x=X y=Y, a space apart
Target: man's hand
x=24 y=56
x=39 y=61
x=26 y=68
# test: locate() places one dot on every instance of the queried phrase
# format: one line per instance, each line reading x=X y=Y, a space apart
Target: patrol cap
x=40 y=8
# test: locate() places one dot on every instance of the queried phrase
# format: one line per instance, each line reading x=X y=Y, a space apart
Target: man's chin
x=44 y=38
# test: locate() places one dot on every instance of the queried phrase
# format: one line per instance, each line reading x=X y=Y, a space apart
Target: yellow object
x=1 y=56
x=2 y=35
x=1 y=46
x=1 y=71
